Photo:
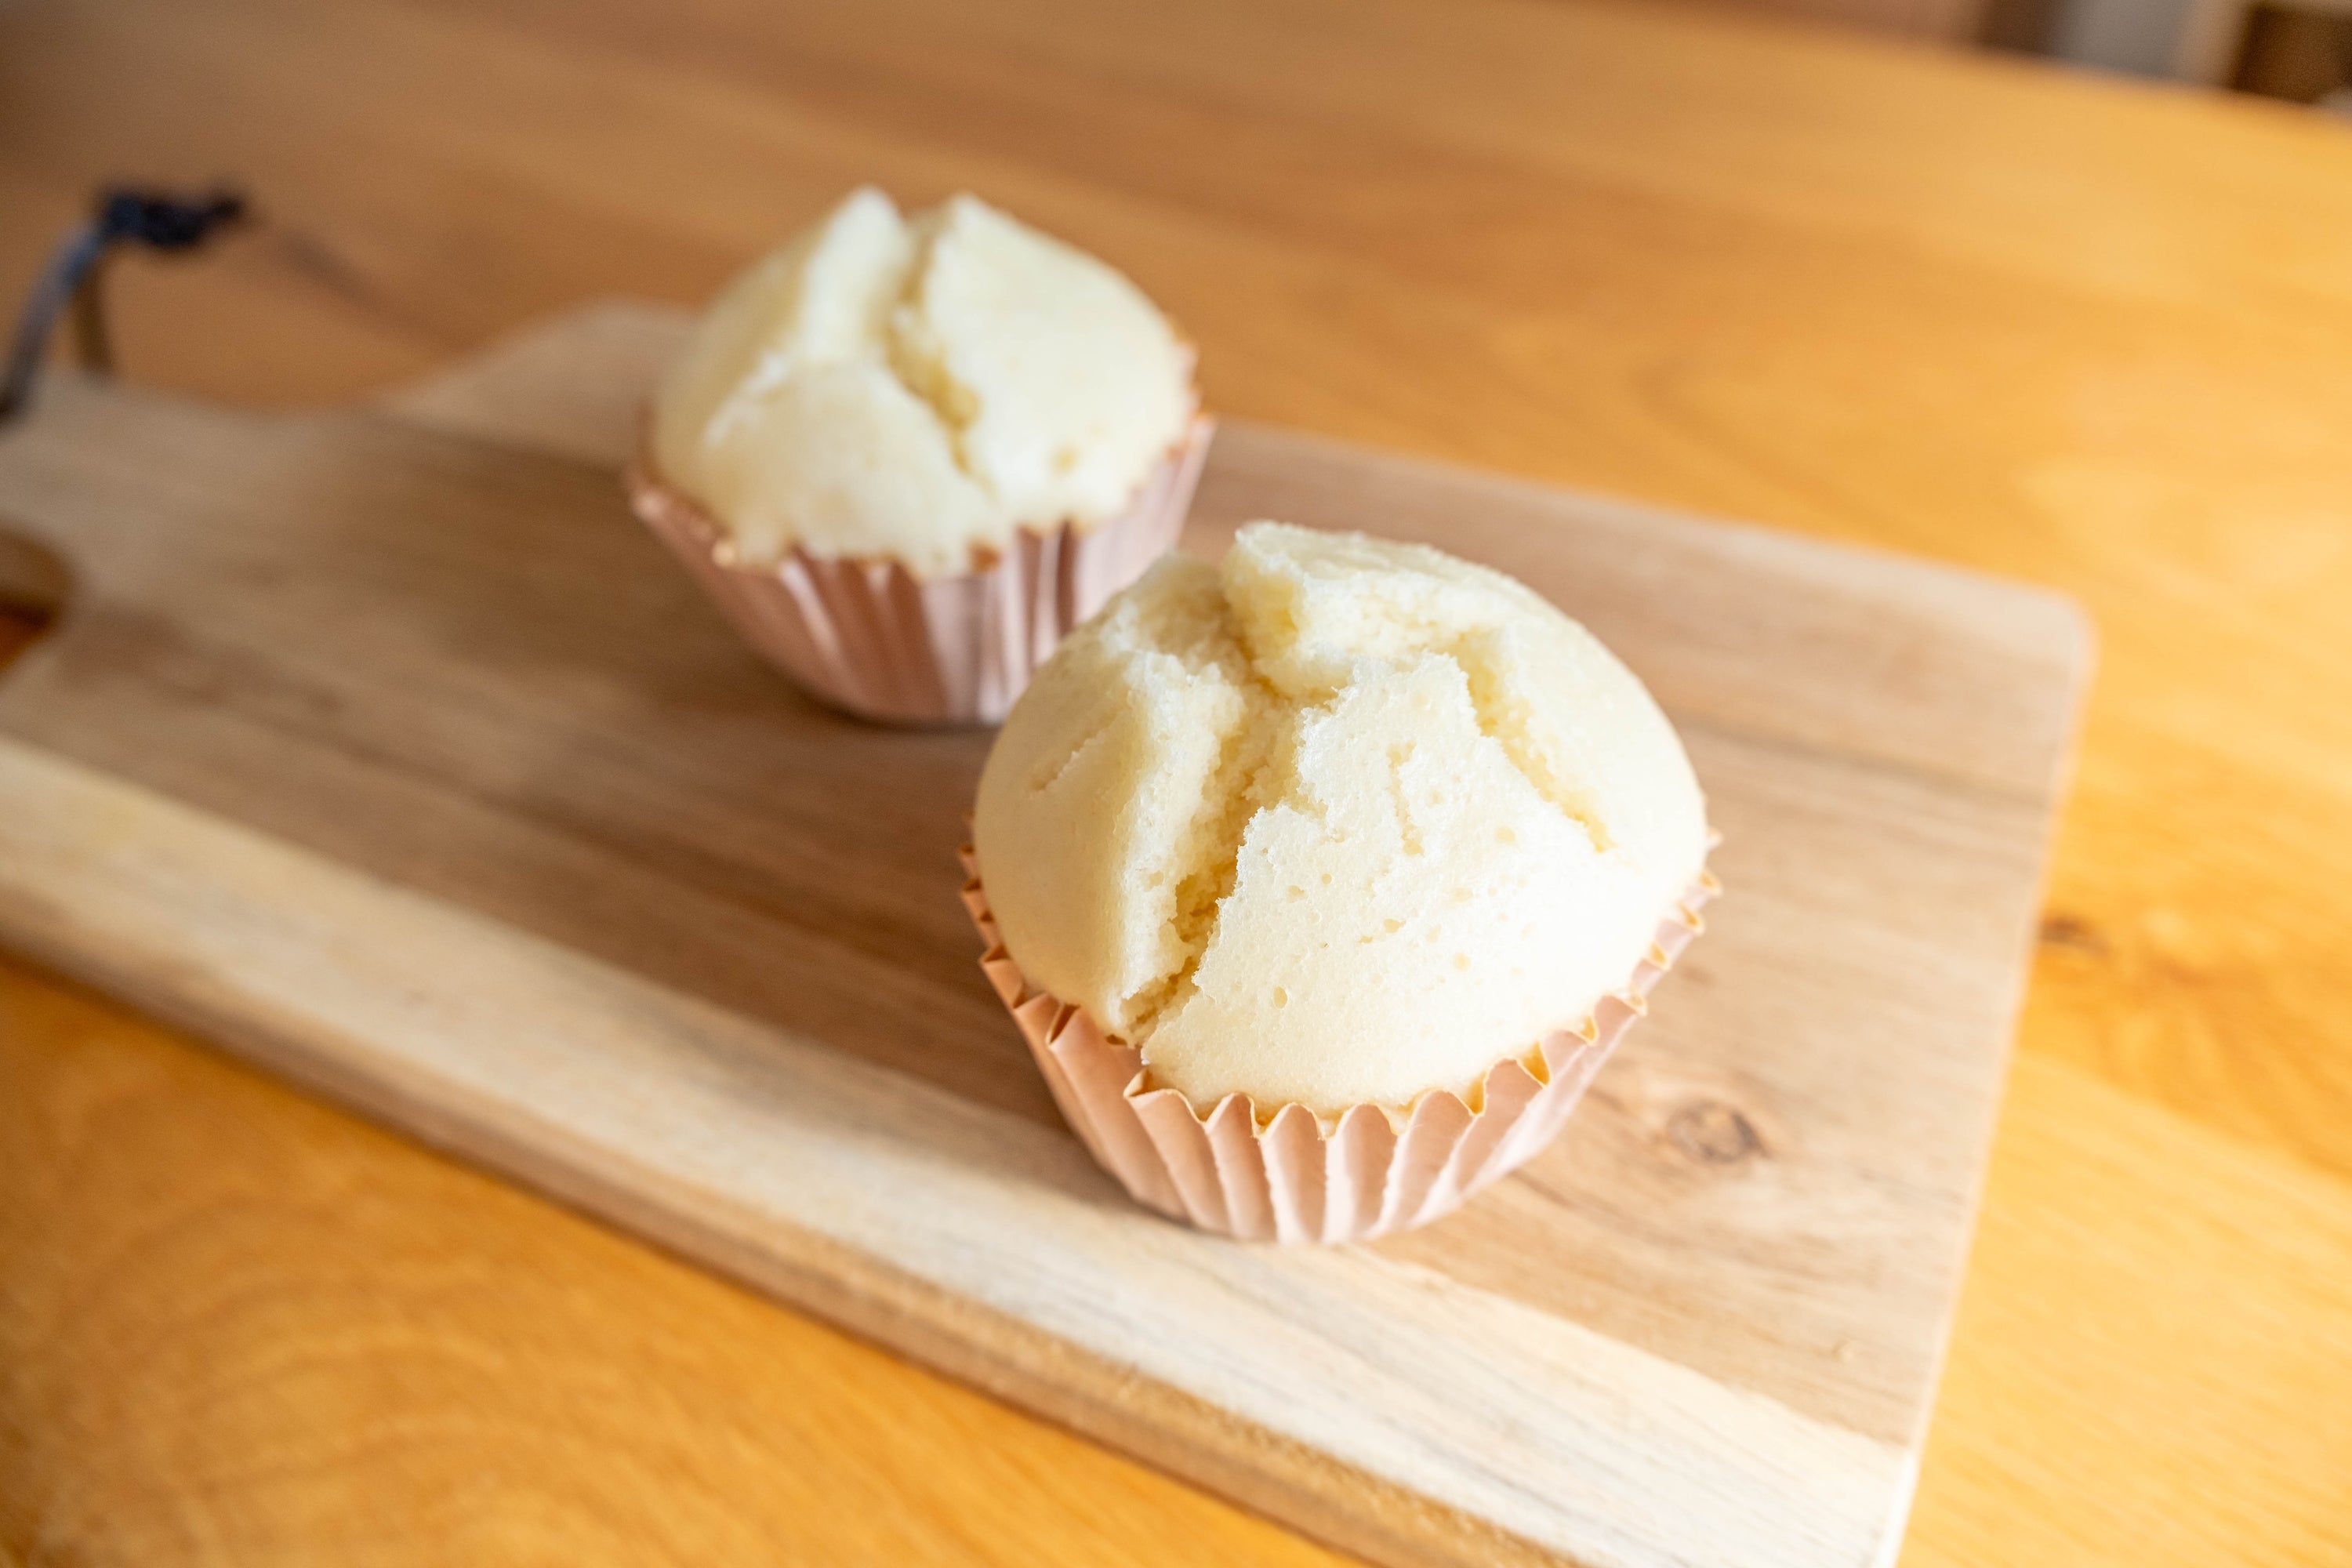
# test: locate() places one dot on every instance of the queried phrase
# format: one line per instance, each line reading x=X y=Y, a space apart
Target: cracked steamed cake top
x=919 y=388
x=1340 y=821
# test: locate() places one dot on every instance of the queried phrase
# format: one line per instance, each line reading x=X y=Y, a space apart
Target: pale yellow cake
x=1338 y=822
x=918 y=388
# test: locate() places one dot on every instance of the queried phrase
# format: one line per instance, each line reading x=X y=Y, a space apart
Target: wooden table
x=2092 y=334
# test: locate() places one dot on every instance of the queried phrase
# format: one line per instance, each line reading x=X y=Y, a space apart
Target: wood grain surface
x=2092 y=334
x=331 y=690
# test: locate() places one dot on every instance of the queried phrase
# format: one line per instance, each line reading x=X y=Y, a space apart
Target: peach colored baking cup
x=1293 y=1176
x=870 y=637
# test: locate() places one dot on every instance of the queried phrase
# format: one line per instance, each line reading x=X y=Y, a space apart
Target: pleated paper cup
x=870 y=637
x=1292 y=1175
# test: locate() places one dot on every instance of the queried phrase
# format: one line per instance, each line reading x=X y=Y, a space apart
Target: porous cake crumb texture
x=1340 y=822
x=919 y=389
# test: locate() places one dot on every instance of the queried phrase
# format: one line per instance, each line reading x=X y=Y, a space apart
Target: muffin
x=906 y=455
x=1322 y=880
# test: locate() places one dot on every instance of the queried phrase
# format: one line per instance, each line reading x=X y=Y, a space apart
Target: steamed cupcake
x=1322 y=879
x=907 y=454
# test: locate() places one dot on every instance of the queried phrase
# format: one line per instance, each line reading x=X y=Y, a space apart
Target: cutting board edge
x=462 y=399
x=525 y=390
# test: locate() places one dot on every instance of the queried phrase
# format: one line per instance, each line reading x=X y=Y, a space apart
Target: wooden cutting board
x=382 y=746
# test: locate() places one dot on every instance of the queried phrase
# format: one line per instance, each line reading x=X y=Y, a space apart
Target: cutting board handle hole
x=35 y=584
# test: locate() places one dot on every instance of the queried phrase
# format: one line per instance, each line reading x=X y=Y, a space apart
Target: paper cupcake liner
x=868 y=636
x=1295 y=1176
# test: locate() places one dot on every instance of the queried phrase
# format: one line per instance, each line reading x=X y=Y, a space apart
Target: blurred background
x=2301 y=52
